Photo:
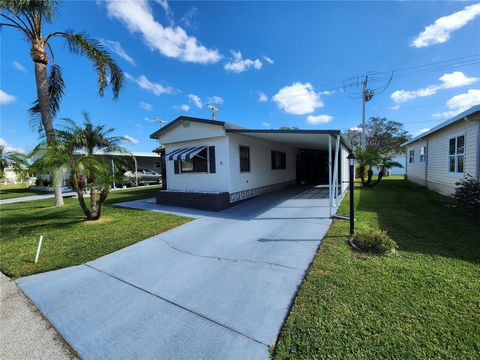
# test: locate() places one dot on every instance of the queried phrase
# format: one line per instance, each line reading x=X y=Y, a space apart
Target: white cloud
x=265 y=124
x=456 y=79
x=19 y=66
x=190 y=17
x=298 y=99
x=448 y=81
x=395 y=107
x=319 y=119
x=268 y=59
x=145 y=106
x=117 y=49
x=460 y=103
x=355 y=128
x=440 y=31
x=421 y=131
x=155 y=88
x=196 y=100
x=262 y=97
x=215 y=100
x=327 y=92
x=9 y=147
x=239 y=64
x=130 y=139
x=171 y=41
x=185 y=107
x=6 y=98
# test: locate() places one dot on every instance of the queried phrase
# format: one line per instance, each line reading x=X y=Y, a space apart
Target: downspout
x=330 y=175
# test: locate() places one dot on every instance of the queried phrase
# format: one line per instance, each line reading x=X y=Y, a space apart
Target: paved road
x=218 y=287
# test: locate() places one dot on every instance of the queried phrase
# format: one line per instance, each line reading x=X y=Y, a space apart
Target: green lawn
x=423 y=303
x=68 y=239
x=17 y=190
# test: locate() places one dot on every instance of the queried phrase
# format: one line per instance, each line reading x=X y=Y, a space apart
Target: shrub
x=467 y=193
x=374 y=240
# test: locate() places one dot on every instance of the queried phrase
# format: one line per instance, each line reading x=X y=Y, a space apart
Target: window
x=157 y=164
x=423 y=154
x=456 y=154
x=197 y=164
x=411 y=156
x=244 y=158
x=279 y=160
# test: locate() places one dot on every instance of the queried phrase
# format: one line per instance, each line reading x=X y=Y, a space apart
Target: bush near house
x=467 y=193
x=422 y=303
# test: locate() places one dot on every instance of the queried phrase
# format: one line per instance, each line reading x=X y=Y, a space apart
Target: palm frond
x=108 y=72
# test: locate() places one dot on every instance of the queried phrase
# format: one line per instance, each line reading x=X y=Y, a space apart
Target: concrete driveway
x=218 y=287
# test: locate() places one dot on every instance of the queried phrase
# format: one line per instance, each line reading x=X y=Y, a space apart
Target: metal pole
x=136 y=171
x=352 y=209
x=330 y=175
x=113 y=174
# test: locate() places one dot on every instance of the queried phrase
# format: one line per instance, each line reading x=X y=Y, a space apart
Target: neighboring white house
x=446 y=153
x=212 y=164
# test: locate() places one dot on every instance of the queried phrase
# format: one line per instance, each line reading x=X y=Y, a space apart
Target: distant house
x=441 y=156
x=213 y=164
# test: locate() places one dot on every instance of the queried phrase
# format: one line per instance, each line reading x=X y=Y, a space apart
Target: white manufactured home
x=213 y=164
x=446 y=153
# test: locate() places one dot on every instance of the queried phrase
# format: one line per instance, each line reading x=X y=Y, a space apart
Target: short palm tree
x=385 y=163
x=367 y=159
x=13 y=159
x=76 y=149
x=28 y=17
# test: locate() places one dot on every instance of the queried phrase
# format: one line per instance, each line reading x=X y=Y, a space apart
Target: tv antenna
x=360 y=87
x=214 y=109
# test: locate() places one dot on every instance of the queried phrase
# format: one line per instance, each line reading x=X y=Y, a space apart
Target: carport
x=322 y=159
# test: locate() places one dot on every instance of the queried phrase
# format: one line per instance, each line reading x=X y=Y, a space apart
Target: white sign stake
x=38 y=248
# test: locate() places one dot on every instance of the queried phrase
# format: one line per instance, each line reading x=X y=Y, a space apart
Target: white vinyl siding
x=261 y=173
x=416 y=168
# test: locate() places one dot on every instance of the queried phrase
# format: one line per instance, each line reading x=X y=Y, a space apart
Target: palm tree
x=367 y=159
x=385 y=163
x=76 y=149
x=28 y=17
x=14 y=159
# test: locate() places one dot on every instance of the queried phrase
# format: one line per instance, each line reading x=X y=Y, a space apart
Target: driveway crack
x=229 y=259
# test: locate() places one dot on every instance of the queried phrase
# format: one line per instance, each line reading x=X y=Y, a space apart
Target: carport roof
x=305 y=139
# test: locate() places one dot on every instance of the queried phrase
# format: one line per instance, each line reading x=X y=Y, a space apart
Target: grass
x=422 y=303
x=17 y=190
x=68 y=238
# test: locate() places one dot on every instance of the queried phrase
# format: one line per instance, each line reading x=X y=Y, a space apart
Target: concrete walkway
x=218 y=287
x=24 y=333
x=34 y=197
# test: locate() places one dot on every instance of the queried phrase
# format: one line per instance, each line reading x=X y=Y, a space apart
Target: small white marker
x=38 y=248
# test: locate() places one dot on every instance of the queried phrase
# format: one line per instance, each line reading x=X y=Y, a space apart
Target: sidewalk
x=24 y=333
x=34 y=197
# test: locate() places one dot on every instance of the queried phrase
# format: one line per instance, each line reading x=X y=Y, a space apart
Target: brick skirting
x=197 y=200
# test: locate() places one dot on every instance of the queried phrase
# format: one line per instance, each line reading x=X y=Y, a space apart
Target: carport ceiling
x=302 y=139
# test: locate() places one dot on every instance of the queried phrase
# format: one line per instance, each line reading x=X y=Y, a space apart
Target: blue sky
x=266 y=64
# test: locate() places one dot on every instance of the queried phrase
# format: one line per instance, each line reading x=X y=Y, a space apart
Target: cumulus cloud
x=447 y=81
x=9 y=147
x=171 y=41
x=319 y=119
x=262 y=97
x=117 y=48
x=185 y=107
x=6 y=98
x=189 y=20
x=146 y=106
x=441 y=30
x=19 y=66
x=298 y=99
x=460 y=103
x=215 y=100
x=130 y=139
x=268 y=59
x=239 y=64
x=195 y=100
x=151 y=86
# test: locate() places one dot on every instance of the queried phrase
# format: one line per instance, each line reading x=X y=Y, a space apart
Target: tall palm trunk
x=40 y=59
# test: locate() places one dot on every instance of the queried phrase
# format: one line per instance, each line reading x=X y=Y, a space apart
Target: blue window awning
x=184 y=153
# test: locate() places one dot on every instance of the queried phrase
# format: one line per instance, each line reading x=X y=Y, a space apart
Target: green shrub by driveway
x=374 y=240
x=68 y=238
x=423 y=303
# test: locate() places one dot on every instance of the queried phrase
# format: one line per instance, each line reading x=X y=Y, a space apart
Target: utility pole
x=364 y=97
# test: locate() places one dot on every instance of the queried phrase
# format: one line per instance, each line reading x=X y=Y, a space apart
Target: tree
x=368 y=158
x=381 y=134
x=76 y=148
x=385 y=163
x=14 y=159
x=28 y=17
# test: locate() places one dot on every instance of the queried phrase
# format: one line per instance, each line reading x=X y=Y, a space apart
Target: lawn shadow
x=421 y=221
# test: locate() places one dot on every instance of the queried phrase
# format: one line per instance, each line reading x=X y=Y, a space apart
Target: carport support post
x=113 y=174
x=351 y=167
x=330 y=175
x=136 y=171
